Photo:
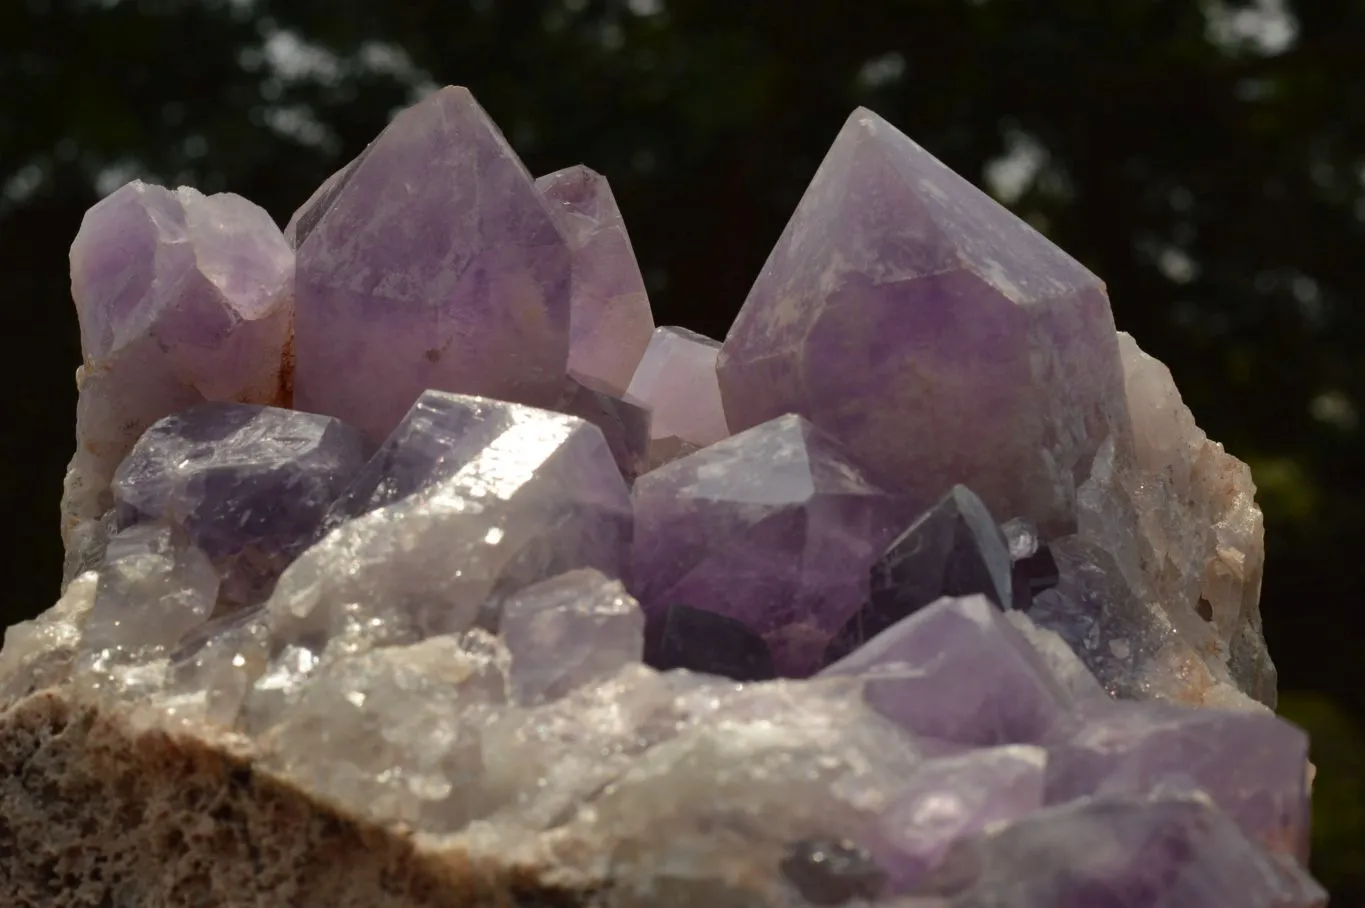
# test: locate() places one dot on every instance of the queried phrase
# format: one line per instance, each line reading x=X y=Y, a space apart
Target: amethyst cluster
x=922 y=588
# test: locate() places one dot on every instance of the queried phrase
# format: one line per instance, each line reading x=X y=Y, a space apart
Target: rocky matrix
x=410 y=565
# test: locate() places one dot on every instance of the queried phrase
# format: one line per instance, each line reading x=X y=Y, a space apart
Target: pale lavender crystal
x=951 y=798
x=568 y=631
x=960 y=671
x=249 y=484
x=435 y=264
x=525 y=495
x=1163 y=852
x=772 y=527
x=676 y=379
x=624 y=423
x=1253 y=764
x=939 y=337
x=611 y=322
x=182 y=298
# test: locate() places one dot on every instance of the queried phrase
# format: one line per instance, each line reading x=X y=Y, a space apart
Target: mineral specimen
x=611 y=322
x=938 y=336
x=182 y=298
x=773 y=527
x=450 y=696
x=436 y=263
x=676 y=379
x=249 y=485
x=953 y=549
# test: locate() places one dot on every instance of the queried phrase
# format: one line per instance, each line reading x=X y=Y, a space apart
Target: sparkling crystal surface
x=953 y=549
x=994 y=689
x=927 y=328
x=437 y=264
x=773 y=527
x=676 y=379
x=181 y=298
x=248 y=484
x=611 y=322
x=567 y=631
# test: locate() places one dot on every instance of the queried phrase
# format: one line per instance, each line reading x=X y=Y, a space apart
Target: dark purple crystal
x=702 y=641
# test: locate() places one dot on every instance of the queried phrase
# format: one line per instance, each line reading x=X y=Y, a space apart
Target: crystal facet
x=676 y=379
x=611 y=322
x=624 y=423
x=772 y=527
x=436 y=264
x=249 y=484
x=938 y=336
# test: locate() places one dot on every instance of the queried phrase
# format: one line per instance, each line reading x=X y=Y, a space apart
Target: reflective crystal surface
x=676 y=380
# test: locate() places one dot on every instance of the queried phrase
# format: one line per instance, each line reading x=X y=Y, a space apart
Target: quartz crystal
x=953 y=549
x=1180 y=517
x=567 y=631
x=676 y=379
x=993 y=690
x=481 y=667
x=511 y=496
x=249 y=485
x=611 y=321
x=435 y=264
x=624 y=423
x=773 y=527
x=182 y=298
x=935 y=334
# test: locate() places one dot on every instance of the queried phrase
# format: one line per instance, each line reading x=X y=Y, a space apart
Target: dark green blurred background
x=1206 y=159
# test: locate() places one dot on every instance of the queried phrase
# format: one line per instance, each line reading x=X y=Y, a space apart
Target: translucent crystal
x=923 y=325
x=248 y=484
x=182 y=298
x=434 y=263
x=773 y=527
x=624 y=423
x=567 y=631
x=611 y=322
x=676 y=379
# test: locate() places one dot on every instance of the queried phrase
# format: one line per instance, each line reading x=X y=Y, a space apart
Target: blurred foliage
x=1206 y=158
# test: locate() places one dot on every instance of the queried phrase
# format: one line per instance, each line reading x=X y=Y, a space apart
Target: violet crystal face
x=626 y=610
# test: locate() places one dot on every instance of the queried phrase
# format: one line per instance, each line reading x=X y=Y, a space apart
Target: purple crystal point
x=611 y=321
x=939 y=337
x=568 y=631
x=959 y=671
x=952 y=798
x=182 y=298
x=1167 y=852
x=625 y=424
x=437 y=264
x=954 y=549
x=1253 y=765
x=773 y=528
x=249 y=484
x=1033 y=569
x=470 y=500
x=676 y=379
x=702 y=641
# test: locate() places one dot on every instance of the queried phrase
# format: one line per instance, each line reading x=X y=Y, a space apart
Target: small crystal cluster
x=922 y=588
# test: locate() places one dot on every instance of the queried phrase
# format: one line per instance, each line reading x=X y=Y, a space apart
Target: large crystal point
x=568 y=631
x=1130 y=644
x=1173 y=851
x=1179 y=515
x=939 y=337
x=624 y=423
x=435 y=264
x=182 y=298
x=953 y=549
x=611 y=322
x=525 y=495
x=676 y=379
x=249 y=484
x=959 y=671
x=772 y=527
x=1253 y=764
